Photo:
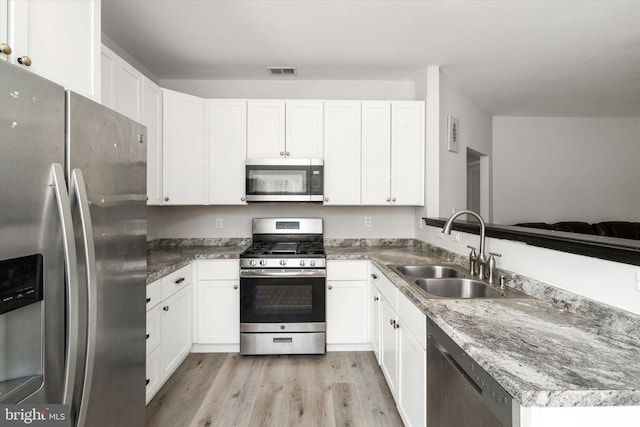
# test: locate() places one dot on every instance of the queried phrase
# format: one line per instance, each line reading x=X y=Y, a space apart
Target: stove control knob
x=253 y=263
x=263 y=262
x=312 y=263
x=283 y=262
x=302 y=263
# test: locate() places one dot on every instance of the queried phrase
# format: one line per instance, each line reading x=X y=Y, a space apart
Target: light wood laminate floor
x=226 y=389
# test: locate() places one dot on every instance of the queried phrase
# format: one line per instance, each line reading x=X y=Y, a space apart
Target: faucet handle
x=492 y=266
x=472 y=248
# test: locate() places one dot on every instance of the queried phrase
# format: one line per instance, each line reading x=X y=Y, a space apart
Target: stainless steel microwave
x=284 y=180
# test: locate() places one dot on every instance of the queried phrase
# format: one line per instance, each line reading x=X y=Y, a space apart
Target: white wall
x=475 y=133
x=554 y=169
x=339 y=221
x=295 y=89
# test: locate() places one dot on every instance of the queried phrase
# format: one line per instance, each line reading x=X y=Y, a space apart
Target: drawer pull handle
x=148 y=381
x=374 y=276
x=148 y=300
x=235 y=286
x=165 y=308
x=180 y=280
x=282 y=340
x=148 y=336
x=330 y=287
x=375 y=298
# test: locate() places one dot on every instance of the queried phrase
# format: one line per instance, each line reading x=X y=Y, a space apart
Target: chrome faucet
x=481 y=258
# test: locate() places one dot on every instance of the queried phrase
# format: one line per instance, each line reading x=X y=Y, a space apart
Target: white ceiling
x=513 y=57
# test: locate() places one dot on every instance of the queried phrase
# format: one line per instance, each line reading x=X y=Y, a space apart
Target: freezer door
x=32 y=338
x=106 y=167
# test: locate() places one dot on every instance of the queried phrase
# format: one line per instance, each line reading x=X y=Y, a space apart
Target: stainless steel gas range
x=282 y=288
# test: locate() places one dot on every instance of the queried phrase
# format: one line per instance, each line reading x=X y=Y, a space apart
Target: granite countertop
x=542 y=355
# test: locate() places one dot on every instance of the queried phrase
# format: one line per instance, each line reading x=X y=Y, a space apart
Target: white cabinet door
x=407 y=153
x=129 y=91
x=376 y=153
x=265 y=129
x=218 y=312
x=375 y=299
x=228 y=151
x=347 y=313
x=342 y=154
x=412 y=379
x=184 y=154
x=154 y=381
x=303 y=129
x=176 y=330
x=389 y=347
x=152 y=119
x=154 y=328
x=108 y=62
x=60 y=38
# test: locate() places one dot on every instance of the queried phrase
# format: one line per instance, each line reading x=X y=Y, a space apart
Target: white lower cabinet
x=217 y=316
x=346 y=304
x=169 y=324
x=401 y=333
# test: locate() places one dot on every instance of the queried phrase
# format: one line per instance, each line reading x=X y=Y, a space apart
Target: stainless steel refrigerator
x=72 y=253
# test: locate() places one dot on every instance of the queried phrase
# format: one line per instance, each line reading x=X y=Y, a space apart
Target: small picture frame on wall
x=453 y=132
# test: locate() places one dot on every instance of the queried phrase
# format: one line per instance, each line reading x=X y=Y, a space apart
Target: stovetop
x=284 y=249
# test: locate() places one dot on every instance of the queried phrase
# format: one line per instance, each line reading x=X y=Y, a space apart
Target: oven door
x=282 y=296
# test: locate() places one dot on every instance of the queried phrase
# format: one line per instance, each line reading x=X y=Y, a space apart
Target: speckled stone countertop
x=541 y=354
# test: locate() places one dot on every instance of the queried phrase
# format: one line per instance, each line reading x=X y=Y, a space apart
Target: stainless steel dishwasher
x=459 y=391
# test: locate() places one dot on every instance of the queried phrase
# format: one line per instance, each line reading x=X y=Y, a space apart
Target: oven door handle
x=254 y=274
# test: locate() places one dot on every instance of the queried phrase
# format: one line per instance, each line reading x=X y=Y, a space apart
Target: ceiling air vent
x=282 y=71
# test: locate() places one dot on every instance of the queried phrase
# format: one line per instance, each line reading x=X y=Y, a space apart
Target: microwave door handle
x=79 y=195
x=71 y=266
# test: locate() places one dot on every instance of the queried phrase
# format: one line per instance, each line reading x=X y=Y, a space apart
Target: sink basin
x=458 y=288
x=427 y=271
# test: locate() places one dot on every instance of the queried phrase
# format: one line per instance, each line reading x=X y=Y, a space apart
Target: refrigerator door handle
x=79 y=194
x=71 y=266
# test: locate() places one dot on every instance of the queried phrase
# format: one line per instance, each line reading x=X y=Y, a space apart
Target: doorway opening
x=478 y=183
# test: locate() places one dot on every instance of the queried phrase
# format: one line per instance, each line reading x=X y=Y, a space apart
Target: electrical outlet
x=453 y=210
x=455 y=236
x=218 y=222
x=367 y=221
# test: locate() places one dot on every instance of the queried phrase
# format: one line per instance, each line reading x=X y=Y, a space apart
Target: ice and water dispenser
x=21 y=323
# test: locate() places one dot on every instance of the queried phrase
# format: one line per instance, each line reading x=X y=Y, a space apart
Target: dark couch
x=619 y=229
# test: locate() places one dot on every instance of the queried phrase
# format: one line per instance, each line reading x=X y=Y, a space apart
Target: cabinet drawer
x=347 y=270
x=219 y=270
x=414 y=319
x=154 y=294
x=175 y=281
x=386 y=288
x=153 y=328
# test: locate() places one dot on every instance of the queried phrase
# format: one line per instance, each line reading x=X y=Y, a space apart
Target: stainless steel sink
x=431 y=271
x=459 y=288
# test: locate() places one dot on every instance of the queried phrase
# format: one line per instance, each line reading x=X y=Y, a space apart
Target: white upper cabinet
x=342 y=172
x=184 y=149
x=228 y=152
x=152 y=119
x=122 y=85
x=393 y=153
x=303 y=123
x=108 y=63
x=284 y=130
x=265 y=129
x=376 y=152
x=58 y=40
x=407 y=153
